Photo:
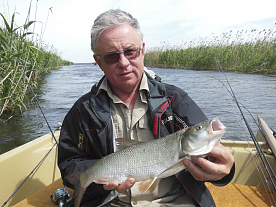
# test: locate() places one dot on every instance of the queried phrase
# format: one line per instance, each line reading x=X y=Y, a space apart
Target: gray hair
x=112 y=18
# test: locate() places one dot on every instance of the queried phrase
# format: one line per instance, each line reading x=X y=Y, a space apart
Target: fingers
x=222 y=153
x=110 y=186
x=126 y=185
x=200 y=174
x=219 y=165
x=200 y=170
x=120 y=188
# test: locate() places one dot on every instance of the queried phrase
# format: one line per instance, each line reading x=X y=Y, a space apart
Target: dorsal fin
x=122 y=143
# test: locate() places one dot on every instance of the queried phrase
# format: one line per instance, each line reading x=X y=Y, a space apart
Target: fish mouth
x=215 y=126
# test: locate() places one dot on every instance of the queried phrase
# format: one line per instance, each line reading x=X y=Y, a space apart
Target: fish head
x=201 y=138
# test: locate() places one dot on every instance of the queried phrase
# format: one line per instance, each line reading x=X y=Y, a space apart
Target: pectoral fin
x=148 y=185
x=172 y=169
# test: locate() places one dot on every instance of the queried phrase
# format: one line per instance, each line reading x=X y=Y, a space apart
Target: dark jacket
x=87 y=135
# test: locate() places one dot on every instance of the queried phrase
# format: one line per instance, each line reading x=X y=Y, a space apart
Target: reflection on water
x=62 y=87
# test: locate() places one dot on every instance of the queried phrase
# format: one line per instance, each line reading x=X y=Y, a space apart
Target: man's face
x=124 y=75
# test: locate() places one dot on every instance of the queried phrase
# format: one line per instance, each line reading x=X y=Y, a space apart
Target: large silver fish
x=150 y=161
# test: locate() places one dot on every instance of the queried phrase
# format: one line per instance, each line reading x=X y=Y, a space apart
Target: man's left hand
x=218 y=165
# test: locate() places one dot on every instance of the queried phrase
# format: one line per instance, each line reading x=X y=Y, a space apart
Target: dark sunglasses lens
x=112 y=58
x=130 y=53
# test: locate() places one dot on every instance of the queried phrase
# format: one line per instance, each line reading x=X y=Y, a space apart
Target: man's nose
x=123 y=61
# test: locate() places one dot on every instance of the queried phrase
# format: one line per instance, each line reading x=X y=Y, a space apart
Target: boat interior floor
x=229 y=195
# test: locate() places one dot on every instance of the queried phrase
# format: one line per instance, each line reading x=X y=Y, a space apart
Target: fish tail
x=79 y=190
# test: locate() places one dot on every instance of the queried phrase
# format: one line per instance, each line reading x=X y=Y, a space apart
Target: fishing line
x=255 y=157
x=41 y=110
x=264 y=160
x=263 y=178
x=53 y=135
x=255 y=121
x=44 y=158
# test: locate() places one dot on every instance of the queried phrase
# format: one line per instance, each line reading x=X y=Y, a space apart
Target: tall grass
x=248 y=52
x=22 y=62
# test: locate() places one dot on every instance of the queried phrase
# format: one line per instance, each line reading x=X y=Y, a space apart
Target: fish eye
x=199 y=127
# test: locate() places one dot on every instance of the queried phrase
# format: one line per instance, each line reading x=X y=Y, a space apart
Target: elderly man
x=131 y=102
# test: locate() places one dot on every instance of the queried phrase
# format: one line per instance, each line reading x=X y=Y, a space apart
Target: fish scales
x=142 y=161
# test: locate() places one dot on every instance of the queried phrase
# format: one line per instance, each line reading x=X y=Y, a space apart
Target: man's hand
x=218 y=165
x=120 y=188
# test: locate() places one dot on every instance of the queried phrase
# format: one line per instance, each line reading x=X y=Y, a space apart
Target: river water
x=61 y=88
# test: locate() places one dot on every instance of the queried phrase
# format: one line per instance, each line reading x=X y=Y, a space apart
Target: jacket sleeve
x=75 y=154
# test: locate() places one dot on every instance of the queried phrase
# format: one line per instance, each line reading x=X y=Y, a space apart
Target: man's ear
x=143 y=49
x=98 y=61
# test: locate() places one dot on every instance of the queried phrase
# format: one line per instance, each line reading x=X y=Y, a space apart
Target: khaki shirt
x=134 y=125
x=130 y=125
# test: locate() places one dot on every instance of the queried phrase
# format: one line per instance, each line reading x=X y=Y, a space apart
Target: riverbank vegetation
x=246 y=51
x=23 y=60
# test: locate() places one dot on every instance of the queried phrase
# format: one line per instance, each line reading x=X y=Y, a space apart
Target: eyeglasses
x=113 y=57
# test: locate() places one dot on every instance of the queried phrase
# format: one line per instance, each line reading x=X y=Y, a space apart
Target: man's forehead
x=118 y=38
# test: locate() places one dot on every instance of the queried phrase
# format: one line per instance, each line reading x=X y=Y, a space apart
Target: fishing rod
x=59 y=197
x=264 y=160
x=251 y=115
x=44 y=158
x=34 y=95
x=35 y=168
x=257 y=162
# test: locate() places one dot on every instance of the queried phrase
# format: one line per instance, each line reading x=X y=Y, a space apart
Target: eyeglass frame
x=137 y=49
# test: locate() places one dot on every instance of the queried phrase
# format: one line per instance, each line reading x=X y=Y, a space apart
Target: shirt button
x=134 y=202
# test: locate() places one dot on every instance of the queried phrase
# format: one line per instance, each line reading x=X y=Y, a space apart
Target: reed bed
x=245 y=51
x=23 y=60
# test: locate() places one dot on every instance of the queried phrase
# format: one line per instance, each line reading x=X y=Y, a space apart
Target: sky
x=65 y=24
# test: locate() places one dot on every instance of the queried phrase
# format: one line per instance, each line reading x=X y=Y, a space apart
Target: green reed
x=247 y=52
x=23 y=60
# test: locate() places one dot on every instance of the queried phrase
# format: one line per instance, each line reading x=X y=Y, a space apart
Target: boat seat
x=227 y=196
